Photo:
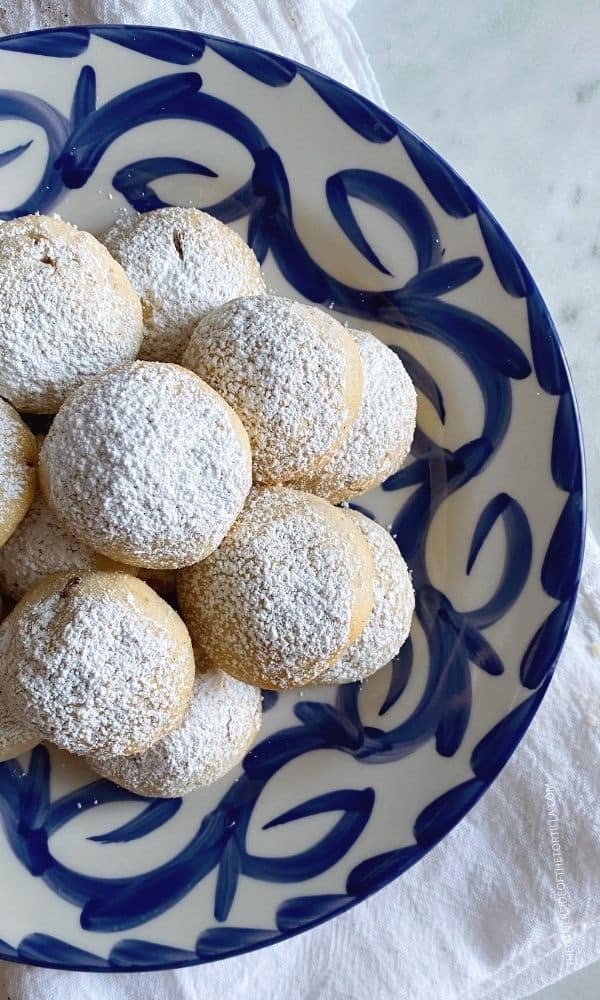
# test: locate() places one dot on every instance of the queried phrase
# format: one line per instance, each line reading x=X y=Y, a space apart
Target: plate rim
x=10 y=954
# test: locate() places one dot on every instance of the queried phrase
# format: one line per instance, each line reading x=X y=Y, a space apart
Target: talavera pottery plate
x=347 y=787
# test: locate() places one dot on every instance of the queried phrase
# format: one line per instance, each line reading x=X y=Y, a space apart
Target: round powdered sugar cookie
x=98 y=663
x=40 y=546
x=147 y=465
x=286 y=592
x=393 y=606
x=18 y=470
x=67 y=311
x=221 y=722
x=182 y=262
x=16 y=736
x=380 y=437
x=292 y=374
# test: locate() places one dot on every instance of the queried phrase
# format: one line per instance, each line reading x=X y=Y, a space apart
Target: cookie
x=67 y=311
x=287 y=591
x=182 y=262
x=292 y=374
x=388 y=624
x=40 y=546
x=16 y=736
x=18 y=470
x=97 y=663
x=220 y=724
x=380 y=437
x=147 y=465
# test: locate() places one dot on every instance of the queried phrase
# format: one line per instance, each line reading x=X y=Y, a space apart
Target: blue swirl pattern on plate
x=455 y=639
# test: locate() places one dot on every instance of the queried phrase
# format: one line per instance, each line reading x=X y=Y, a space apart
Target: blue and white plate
x=347 y=787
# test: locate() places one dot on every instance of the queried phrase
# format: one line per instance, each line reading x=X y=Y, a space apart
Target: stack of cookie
x=176 y=547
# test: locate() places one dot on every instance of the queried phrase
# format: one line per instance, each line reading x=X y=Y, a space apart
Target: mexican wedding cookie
x=67 y=311
x=16 y=736
x=40 y=546
x=292 y=374
x=379 y=440
x=98 y=663
x=181 y=262
x=393 y=606
x=218 y=728
x=284 y=595
x=18 y=470
x=147 y=465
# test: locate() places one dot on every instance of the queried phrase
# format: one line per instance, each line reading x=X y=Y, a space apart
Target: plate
x=347 y=787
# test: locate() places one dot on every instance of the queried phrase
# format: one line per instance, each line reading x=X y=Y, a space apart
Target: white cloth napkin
x=488 y=913
x=319 y=34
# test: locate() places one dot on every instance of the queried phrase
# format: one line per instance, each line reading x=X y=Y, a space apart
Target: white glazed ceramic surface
x=347 y=787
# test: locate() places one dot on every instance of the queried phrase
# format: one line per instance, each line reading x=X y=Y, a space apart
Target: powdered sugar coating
x=379 y=440
x=16 y=736
x=291 y=373
x=67 y=311
x=285 y=593
x=12 y=473
x=39 y=546
x=393 y=607
x=182 y=262
x=220 y=723
x=147 y=465
x=98 y=663
x=18 y=472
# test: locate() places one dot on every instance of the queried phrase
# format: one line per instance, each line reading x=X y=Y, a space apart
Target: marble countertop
x=509 y=93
